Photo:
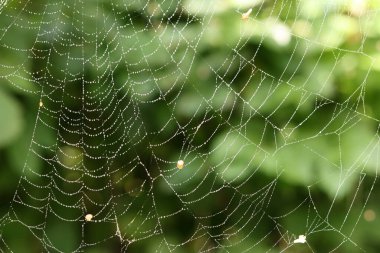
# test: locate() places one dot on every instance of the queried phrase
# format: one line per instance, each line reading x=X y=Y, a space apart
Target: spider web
x=125 y=89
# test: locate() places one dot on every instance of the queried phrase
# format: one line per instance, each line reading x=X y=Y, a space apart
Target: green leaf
x=235 y=156
x=11 y=123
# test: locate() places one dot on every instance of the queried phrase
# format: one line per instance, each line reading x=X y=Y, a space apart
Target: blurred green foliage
x=284 y=105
